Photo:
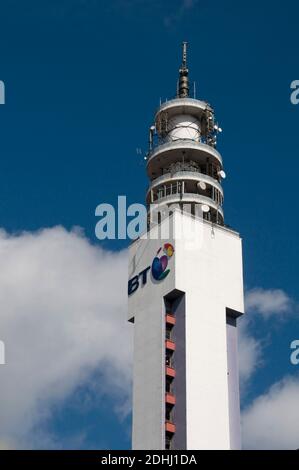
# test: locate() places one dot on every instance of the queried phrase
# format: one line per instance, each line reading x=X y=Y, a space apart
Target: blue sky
x=83 y=79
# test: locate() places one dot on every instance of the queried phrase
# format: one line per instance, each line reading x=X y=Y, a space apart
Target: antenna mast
x=183 y=91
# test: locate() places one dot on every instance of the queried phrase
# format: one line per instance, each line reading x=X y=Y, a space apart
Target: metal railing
x=208 y=178
x=167 y=140
x=203 y=146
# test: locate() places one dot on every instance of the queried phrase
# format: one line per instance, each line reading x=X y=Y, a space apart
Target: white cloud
x=250 y=353
x=265 y=302
x=272 y=420
x=268 y=302
x=63 y=314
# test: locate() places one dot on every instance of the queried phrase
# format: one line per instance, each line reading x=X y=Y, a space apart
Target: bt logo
x=158 y=269
x=159 y=265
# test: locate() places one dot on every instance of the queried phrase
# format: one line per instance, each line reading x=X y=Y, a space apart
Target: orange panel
x=170 y=398
x=170 y=319
x=170 y=345
x=169 y=427
x=170 y=371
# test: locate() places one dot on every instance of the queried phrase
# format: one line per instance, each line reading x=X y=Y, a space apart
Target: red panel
x=169 y=427
x=170 y=319
x=170 y=371
x=170 y=345
x=170 y=398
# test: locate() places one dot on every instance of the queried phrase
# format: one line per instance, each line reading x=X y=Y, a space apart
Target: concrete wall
x=210 y=273
x=147 y=309
x=208 y=269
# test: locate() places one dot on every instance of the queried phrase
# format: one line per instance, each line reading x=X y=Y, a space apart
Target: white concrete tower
x=185 y=288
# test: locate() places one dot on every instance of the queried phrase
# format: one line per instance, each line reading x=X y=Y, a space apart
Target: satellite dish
x=201 y=185
x=222 y=174
x=205 y=208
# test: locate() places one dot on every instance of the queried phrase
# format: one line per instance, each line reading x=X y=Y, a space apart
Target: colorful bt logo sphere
x=159 y=265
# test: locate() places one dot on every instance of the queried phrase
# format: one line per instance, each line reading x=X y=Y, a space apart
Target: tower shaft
x=185 y=289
